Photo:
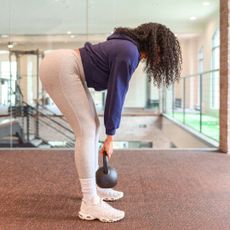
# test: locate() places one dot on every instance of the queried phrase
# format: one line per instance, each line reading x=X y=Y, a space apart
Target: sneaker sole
x=112 y=198
x=84 y=216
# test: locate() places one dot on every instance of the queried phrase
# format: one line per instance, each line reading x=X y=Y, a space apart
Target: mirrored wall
x=152 y=116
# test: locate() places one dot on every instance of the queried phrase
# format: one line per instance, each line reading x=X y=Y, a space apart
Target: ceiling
x=99 y=17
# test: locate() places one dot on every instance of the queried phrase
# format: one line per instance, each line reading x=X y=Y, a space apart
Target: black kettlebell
x=106 y=176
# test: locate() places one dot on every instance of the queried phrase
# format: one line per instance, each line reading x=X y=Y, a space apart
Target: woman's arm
x=107 y=146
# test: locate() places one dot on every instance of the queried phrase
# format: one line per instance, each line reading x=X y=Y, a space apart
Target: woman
x=67 y=74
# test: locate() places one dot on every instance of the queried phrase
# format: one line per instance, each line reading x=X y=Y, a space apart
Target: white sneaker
x=108 y=194
x=100 y=210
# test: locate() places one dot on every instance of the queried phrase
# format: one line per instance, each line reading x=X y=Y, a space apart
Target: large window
x=201 y=60
x=7 y=85
x=215 y=66
x=200 y=71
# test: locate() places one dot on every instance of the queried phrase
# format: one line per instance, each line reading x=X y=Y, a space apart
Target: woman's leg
x=105 y=194
x=65 y=87
x=61 y=77
x=97 y=122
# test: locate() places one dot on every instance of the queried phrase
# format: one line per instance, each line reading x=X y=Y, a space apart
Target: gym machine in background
x=17 y=105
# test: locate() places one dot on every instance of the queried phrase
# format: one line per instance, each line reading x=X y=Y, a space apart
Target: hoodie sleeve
x=118 y=84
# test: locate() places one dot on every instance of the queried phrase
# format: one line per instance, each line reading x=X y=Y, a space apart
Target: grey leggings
x=62 y=76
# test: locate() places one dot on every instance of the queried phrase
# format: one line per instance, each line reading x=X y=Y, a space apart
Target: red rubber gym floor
x=164 y=189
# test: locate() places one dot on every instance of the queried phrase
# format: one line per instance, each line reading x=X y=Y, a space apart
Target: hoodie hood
x=123 y=37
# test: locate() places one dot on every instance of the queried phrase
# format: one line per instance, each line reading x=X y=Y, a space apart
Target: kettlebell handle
x=105 y=162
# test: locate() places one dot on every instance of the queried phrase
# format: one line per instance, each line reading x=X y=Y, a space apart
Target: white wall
x=183 y=138
x=189 y=55
x=190 y=48
x=136 y=95
x=191 y=45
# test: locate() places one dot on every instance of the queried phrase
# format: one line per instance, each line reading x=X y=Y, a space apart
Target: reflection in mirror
x=151 y=115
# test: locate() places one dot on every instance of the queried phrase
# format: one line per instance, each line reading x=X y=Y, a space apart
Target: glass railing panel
x=178 y=101
x=196 y=103
x=168 y=107
x=191 y=105
x=210 y=105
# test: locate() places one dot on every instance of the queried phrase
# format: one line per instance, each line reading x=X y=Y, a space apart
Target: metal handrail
x=50 y=119
x=44 y=115
x=52 y=113
x=201 y=73
x=57 y=130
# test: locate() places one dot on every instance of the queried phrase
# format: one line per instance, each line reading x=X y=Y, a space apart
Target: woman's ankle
x=91 y=200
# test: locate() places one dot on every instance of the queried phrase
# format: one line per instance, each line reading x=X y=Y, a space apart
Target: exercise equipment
x=106 y=176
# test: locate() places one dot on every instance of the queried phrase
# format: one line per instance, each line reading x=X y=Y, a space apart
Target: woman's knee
x=88 y=129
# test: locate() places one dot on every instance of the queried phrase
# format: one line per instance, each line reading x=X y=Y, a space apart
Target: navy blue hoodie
x=110 y=65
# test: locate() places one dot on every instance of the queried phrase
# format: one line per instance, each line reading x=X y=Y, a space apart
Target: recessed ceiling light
x=69 y=32
x=206 y=3
x=192 y=18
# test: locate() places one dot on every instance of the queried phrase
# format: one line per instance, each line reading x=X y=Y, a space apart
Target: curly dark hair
x=164 y=59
